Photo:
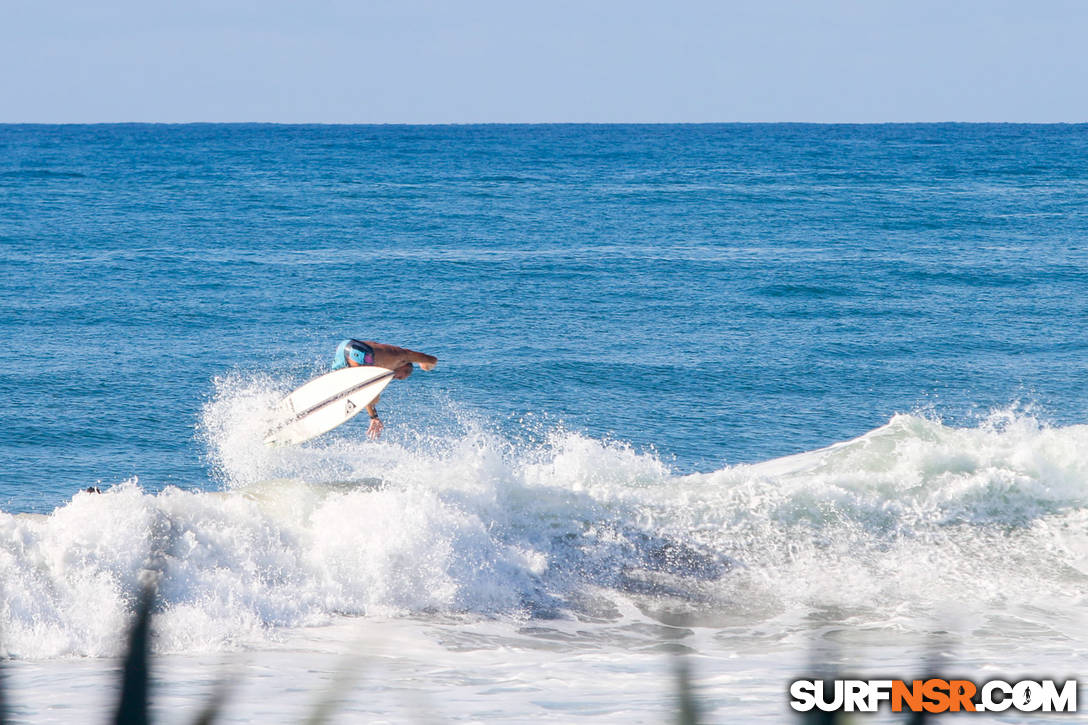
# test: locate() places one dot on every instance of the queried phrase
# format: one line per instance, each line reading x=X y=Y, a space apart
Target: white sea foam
x=909 y=523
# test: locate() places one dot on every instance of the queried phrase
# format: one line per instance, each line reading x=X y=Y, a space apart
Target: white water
x=547 y=580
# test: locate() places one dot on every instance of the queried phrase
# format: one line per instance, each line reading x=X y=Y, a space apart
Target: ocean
x=770 y=400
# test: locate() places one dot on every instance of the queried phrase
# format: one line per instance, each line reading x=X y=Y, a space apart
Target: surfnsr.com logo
x=933 y=695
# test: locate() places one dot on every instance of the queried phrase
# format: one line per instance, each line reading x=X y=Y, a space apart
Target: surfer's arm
x=376 y=424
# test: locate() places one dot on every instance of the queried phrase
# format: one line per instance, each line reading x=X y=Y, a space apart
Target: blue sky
x=429 y=61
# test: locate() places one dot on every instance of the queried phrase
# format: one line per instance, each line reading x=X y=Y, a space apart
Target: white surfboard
x=325 y=402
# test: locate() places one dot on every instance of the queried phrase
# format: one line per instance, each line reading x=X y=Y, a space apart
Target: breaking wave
x=911 y=521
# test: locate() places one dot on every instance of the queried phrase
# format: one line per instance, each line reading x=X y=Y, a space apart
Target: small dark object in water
x=92 y=489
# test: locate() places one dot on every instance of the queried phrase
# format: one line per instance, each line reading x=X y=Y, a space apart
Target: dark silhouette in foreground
x=133 y=707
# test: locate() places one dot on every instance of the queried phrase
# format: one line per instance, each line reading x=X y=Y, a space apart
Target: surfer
x=354 y=353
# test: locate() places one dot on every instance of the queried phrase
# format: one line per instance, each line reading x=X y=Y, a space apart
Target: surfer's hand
x=375 y=429
x=428 y=365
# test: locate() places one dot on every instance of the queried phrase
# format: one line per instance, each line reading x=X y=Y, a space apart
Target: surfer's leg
x=392 y=357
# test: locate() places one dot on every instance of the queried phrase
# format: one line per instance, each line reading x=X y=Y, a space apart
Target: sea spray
x=897 y=528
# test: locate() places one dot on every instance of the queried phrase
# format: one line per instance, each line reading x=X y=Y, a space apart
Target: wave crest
x=914 y=516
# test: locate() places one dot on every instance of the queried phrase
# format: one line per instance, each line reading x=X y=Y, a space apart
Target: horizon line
x=542 y=123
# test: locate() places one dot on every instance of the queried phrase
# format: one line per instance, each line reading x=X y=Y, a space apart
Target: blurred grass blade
x=133 y=707
x=689 y=709
x=212 y=708
x=342 y=682
x=3 y=695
